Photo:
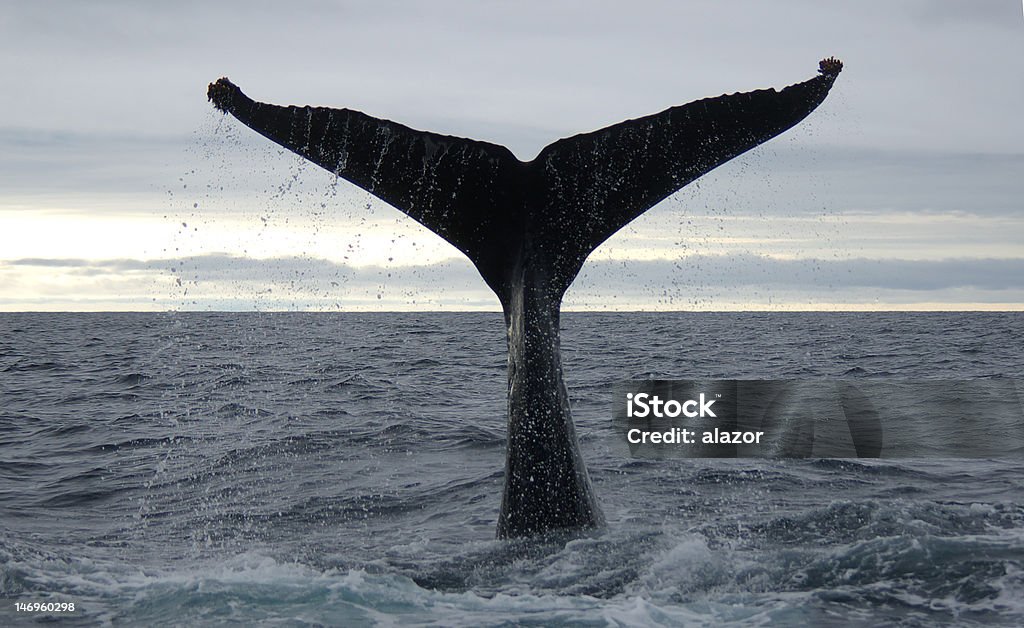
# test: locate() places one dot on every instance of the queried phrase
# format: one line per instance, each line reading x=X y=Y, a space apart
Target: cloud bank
x=222 y=281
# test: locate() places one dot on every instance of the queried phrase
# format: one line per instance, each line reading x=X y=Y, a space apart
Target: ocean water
x=346 y=469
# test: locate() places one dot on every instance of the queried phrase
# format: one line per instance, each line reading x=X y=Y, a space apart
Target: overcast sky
x=121 y=188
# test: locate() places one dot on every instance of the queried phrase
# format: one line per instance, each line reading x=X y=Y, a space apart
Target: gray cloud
x=697 y=270
x=167 y=172
x=83 y=166
x=754 y=270
x=864 y=179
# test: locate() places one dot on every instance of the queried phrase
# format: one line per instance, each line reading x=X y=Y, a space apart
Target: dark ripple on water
x=209 y=468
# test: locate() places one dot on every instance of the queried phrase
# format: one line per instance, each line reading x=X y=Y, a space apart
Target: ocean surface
x=346 y=469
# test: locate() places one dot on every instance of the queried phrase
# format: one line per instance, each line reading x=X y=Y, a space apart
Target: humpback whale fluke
x=528 y=227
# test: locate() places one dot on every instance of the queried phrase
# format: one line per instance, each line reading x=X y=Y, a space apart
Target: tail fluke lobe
x=598 y=182
x=466 y=191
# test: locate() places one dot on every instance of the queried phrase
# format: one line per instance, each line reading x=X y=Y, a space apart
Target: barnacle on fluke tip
x=830 y=66
x=222 y=93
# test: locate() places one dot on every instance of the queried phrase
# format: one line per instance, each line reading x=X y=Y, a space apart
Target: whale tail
x=528 y=227
x=572 y=197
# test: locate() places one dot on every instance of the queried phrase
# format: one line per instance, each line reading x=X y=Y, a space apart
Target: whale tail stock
x=528 y=227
